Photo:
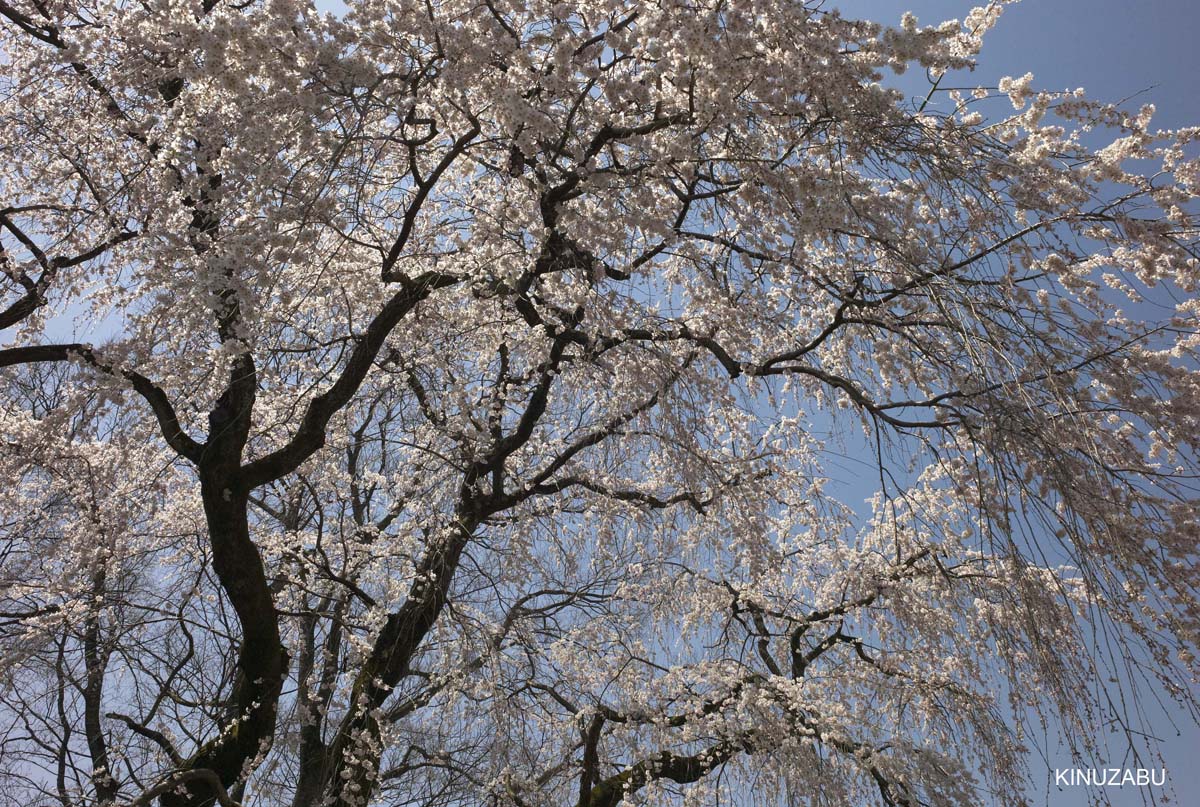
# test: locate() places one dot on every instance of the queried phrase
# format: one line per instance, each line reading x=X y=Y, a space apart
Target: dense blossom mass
x=473 y=402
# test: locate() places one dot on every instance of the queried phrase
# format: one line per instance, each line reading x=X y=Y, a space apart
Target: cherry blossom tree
x=473 y=385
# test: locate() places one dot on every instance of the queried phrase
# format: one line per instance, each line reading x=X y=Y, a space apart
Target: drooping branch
x=168 y=421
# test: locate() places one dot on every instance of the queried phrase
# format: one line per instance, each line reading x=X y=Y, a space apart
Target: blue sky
x=1113 y=48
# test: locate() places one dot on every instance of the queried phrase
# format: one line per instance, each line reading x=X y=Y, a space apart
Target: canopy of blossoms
x=482 y=395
